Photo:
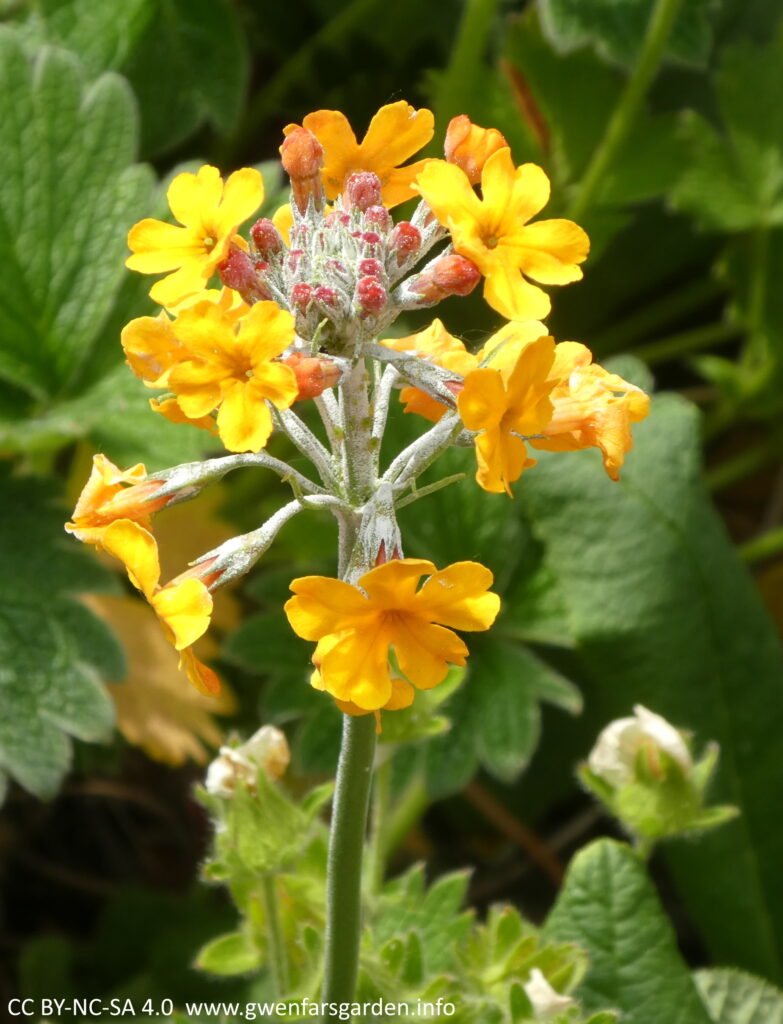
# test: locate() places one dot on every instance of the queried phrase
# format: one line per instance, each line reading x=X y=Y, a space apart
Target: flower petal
x=482 y=401
x=244 y=421
x=446 y=189
x=158 y=246
x=202 y=677
x=395 y=133
x=242 y=195
x=425 y=651
x=341 y=149
x=356 y=668
x=193 y=198
x=137 y=550
x=551 y=250
x=323 y=605
x=393 y=584
x=457 y=596
x=185 y=608
x=512 y=296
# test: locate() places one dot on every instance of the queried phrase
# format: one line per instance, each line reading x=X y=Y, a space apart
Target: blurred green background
x=613 y=594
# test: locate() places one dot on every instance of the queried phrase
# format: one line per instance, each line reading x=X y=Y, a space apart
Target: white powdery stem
x=381 y=399
x=331 y=417
x=186 y=480
x=360 y=475
x=308 y=444
x=421 y=373
x=238 y=555
x=419 y=455
x=377 y=533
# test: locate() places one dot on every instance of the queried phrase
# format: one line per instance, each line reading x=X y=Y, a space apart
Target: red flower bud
x=405 y=240
x=303 y=158
x=450 y=275
x=301 y=296
x=237 y=271
x=325 y=295
x=371 y=268
x=337 y=217
x=266 y=237
x=313 y=374
x=379 y=217
x=371 y=296
x=363 y=190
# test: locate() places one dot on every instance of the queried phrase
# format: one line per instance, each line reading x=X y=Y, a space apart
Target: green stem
x=624 y=115
x=743 y=465
x=406 y=812
x=457 y=84
x=763 y=547
x=381 y=800
x=276 y=949
x=346 y=845
x=655 y=316
x=687 y=341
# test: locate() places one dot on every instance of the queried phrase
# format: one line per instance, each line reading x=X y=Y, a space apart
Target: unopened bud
x=314 y=374
x=337 y=217
x=371 y=296
x=371 y=268
x=201 y=571
x=378 y=217
x=370 y=238
x=303 y=158
x=301 y=296
x=267 y=749
x=450 y=275
x=405 y=240
x=469 y=146
x=546 y=1001
x=294 y=259
x=362 y=190
x=326 y=296
x=266 y=238
x=238 y=272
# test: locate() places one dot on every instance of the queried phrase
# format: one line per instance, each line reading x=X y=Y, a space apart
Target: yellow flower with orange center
x=592 y=408
x=112 y=493
x=210 y=213
x=183 y=606
x=493 y=231
x=395 y=133
x=506 y=406
x=355 y=627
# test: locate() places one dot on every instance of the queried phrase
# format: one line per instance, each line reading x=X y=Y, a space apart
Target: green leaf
x=609 y=907
x=616 y=28
x=733 y=179
x=733 y=997
x=665 y=614
x=67 y=198
x=229 y=954
x=190 y=66
x=102 y=34
x=52 y=649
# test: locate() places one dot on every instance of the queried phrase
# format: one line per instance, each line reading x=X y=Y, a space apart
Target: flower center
x=491 y=242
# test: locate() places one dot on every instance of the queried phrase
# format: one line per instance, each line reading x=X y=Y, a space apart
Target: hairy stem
x=276 y=950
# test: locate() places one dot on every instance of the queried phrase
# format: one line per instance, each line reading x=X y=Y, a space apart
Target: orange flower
x=356 y=625
x=396 y=132
x=469 y=147
x=183 y=606
x=110 y=494
x=592 y=408
x=438 y=346
x=494 y=232
x=506 y=406
x=210 y=213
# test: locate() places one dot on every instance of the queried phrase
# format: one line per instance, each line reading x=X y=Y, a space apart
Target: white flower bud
x=266 y=749
x=614 y=755
x=546 y=1002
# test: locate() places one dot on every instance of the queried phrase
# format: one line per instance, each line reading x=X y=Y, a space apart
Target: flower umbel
x=355 y=626
x=494 y=232
x=210 y=213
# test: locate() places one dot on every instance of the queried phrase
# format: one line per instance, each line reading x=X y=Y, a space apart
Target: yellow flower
x=210 y=213
x=494 y=232
x=506 y=405
x=356 y=626
x=183 y=606
x=396 y=132
x=592 y=408
x=229 y=367
x=110 y=494
x=438 y=346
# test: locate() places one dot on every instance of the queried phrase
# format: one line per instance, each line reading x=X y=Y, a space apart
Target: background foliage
x=613 y=594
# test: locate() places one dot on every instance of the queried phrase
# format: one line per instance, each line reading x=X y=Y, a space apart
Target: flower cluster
x=301 y=310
